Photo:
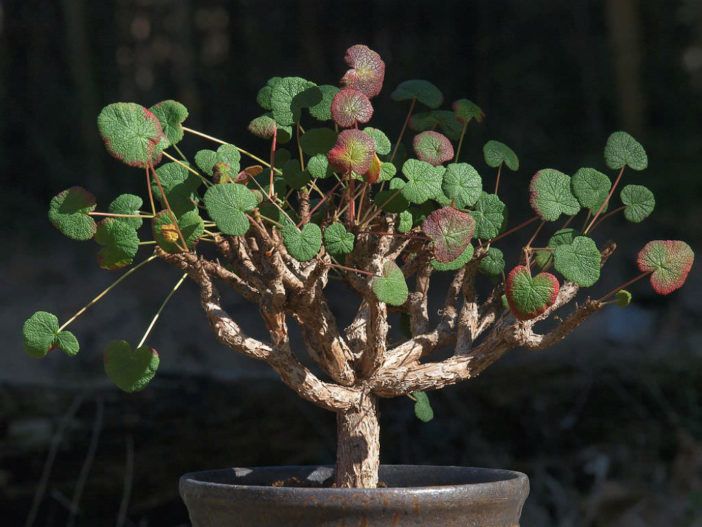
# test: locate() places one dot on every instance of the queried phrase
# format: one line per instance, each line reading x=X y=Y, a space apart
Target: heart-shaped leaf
x=550 y=195
x=303 y=245
x=338 y=240
x=444 y=119
x=322 y=110
x=590 y=187
x=318 y=167
x=263 y=98
x=290 y=95
x=171 y=115
x=166 y=234
x=130 y=370
x=353 y=152
x=622 y=149
x=493 y=263
x=432 y=147
x=227 y=204
x=456 y=264
x=579 y=261
x=367 y=70
x=387 y=171
x=422 y=408
x=623 y=298
x=529 y=296
x=121 y=244
x=450 y=230
x=639 y=202
x=423 y=181
x=497 y=153
x=669 y=262
x=179 y=185
x=465 y=110
x=391 y=287
x=68 y=212
x=462 y=184
x=40 y=335
x=132 y=134
x=318 y=141
x=349 y=107
x=490 y=216
x=424 y=91
x=560 y=237
x=382 y=143
x=127 y=204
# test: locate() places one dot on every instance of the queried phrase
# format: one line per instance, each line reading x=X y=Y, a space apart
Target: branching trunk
x=358 y=445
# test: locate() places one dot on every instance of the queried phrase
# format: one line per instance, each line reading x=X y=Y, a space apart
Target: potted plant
x=343 y=202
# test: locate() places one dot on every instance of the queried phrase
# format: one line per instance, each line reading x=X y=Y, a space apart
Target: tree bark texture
x=358 y=445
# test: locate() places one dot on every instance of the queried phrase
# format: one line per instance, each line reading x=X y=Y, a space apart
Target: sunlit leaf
x=433 y=147
x=353 y=152
x=550 y=195
x=462 y=184
x=669 y=262
x=450 y=230
x=290 y=95
x=337 y=240
x=227 y=204
x=422 y=408
x=127 y=204
x=350 y=107
x=578 y=261
x=166 y=234
x=132 y=134
x=528 y=296
x=591 y=188
x=120 y=241
x=639 y=202
x=302 y=244
x=322 y=110
x=391 y=287
x=423 y=181
x=68 y=212
x=171 y=115
x=490 y=216
x=367 y=70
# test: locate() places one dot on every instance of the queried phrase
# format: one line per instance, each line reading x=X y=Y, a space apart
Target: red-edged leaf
x=669 y=261
x=367 y=70
x=529 y=296
x=450 y=230
x=350 y=106
x=433 y=147
x=352 y=152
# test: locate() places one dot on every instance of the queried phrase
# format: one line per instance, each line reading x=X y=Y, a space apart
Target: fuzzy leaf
x=382 y=143
x=432 y=147
x=450 y=230
x=422 y=408
x=367 y=70
x=423 y=181
x=454 y=265
x=550 y=195
x=669 y=262
x=465 y=110
x=166 y=235
x=623 y=298
x=424 y=91
x=391 y=287
x=121 y=244
x=337 y=239
x=387 y=171
x=578 y=261
x=353 y=152
x=226 y=205
x=406 y=222
x=132 y=134
x=171 y=115
x=622 y=149
x=318 y=141
x=497 y=153
x=39 y=333
x=130 y=370
x=318 y=167
x=303 y=245
x=263 y=126
x=590 y=187
x=529 y=296
x=493 y=263
x=290 y=95
x=639 y=202
x=322 y=110
x=462 y=184
x=490 y=215
x=205 y=160
x=293 y=175
x=68 y=212
x=127 y=204
x=560 y=237
x=67 y=342
x=263 y=98
x=444 y=119
x=179 y=185
x=349 y=107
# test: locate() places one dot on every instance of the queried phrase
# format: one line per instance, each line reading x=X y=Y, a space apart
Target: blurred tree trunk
x=624 y=24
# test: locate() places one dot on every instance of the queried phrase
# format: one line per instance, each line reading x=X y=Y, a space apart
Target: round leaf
x=424 y=91
x=337 y=239
x=450 y=230
x=263 y=98
x=367 y=70
x=322 y=110
x=497 y=153
x=622 y=149
x=490 y=216
x=432 y=147
x=639 y=202
x=493 y=263
x=560 y=237
x=290 y=95
x=166 y=235
x=382 y=143
x=590 y=187
x=391 y=287
x=456 y=264
x=353 y=152
x=226 y=205
x=132 y=134
x=121 y=244
x=623 y=298
x=68 y=212
x=127 y=204
x=303 y=245
x=462 y=184
x=668 y=261
x=529 y=296
x=550 y=195
x=579 y=261
x=39 y=333
x=130 y=370
x=423 y=181
x=318 y=167
x=171 y=115
x=349 y=107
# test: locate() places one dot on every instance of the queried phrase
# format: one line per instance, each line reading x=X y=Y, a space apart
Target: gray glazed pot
x=416 y=495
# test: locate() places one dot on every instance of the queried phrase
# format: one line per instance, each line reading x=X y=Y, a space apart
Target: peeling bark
x=358 y=445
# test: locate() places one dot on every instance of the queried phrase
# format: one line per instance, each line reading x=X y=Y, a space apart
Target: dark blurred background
x=607 y=425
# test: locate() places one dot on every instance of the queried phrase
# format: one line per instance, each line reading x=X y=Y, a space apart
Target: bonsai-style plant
x=343 y=202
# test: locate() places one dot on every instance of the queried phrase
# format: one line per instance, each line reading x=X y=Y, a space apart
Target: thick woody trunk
x=358 y=445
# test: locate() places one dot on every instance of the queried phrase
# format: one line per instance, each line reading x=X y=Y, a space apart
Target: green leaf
x=293 y=175
x=579 y=261
x=322 y=110
x=497 y=153
x=639 y=202
x=622 y=149
x=454 y=265
x=382 y=143
x=493 y=263
x=132 y=134
x=166 y=235
x=67 y=342
x=230 y=155
x=226 y=205
x=422 y=408
x=391 y=200
x=387 y=171
x=367 y=70
x=127 y=204
x=353 y=152
x=318 y=167
x=205 y=160
x=450 y=231
x=424 y=91
x=130 y=370
x=68 y=212
x=591 y=188
x=350 y=107
x=465 y=110
x=318 y=141
x=406 y=222
x=560 y=237
x=462 y=184
x=432 y=147
x=391 y=287
x=444 y=119
x=550 y=195
x=303 y=245
x=179 y=185
x=668 y=261
x=290 y=95
x=171 y=115
x=423 y=181
x=337 y=240
x=490 y=215
x=529 y=296
x=264 y=126
x=39 y=333
x=121 y=244
x=263 y=98
x=623 y=298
